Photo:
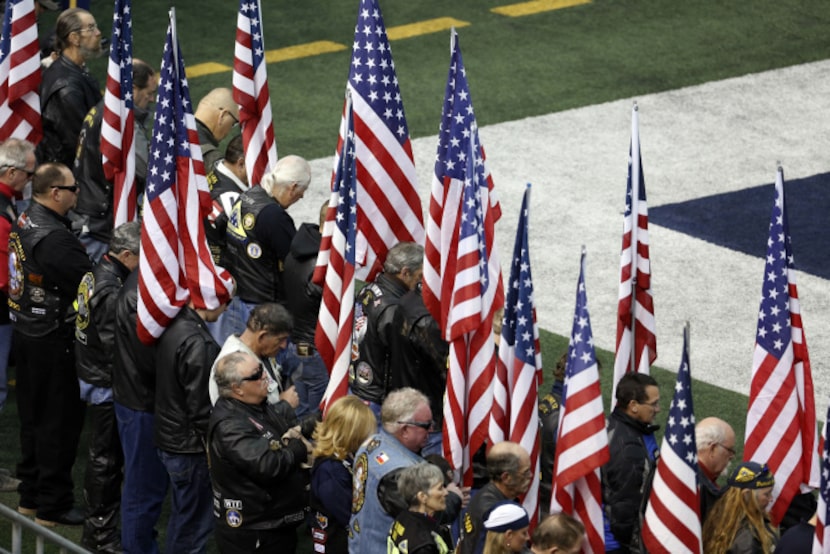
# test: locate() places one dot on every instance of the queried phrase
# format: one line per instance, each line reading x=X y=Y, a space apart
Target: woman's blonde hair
x=494 y=543
x=348 y=423
x=736 y=508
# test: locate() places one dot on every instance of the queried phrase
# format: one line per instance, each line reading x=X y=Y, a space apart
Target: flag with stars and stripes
x=781 y=429
x=462 y=277
x=118 y=123
x=333 y=337
x=821 y=542
x=672 y=521
x=636 y=342
x=20 y=73
x=385 y=171
x=582 y=441
x=175 y=265
x=520 y=357
x=250 y=91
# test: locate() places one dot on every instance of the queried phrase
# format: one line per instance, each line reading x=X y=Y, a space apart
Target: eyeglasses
x=235 y=119
x=23 y=169
x=425 y=425
x=730 y=450
x=91 y=28
x=71 y=188
x=655 y=404
x=256 y=376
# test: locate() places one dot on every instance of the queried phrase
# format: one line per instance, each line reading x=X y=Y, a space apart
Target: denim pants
x=311 y=382
x=145 y=481
x=191 y=510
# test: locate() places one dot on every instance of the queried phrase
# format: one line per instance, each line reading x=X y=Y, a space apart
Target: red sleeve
x=5 y=228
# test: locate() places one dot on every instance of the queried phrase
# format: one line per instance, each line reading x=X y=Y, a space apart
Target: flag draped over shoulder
x=582 y=441
x=636 y=342
x=821 y=542
x=388 y=198
x=175 y=265
x=462 y=276
x=781 y=428
x=334 y=325
x=520 y=357
x=250 y=91
x=20 y=73
x=672 y=521
x=118 y=123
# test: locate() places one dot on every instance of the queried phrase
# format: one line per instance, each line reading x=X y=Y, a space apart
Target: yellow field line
x=302 y=51
x=424 y=28
x=208 y=68
x=536 y=6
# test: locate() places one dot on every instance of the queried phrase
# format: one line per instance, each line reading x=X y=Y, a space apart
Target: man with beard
x=67 y=90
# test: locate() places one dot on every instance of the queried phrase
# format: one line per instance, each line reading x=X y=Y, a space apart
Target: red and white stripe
x=635 y=311
x=250 y=91
x=118 y=123
x=821 y=541
x=20 y=73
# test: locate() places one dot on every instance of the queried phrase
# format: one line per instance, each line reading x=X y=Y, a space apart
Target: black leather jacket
x=379 y=325
x=256 y=477
x=302 y=297
x=549 y=407
x=67 y=92
x=134 y=365
x=185 y=353
x=224 y=193
x=472 y=524
x=95 y=322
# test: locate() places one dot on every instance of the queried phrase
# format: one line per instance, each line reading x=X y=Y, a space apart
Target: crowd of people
x=221 y=413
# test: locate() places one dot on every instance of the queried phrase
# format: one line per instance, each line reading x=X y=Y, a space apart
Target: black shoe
x=72 y=517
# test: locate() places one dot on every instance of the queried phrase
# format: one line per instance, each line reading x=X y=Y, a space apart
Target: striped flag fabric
x=175 y=265
x=389 y=203
x=582 y=441
x=520 y=356
x=20 y=73
x=333 y=337
x=250 y=91
x=462 y=285
x=672 y=521
x=636 y=342
x=118 y=123
x=821 y=542
x=781 y=428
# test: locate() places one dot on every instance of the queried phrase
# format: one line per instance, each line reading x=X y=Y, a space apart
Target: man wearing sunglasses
x=216 y=115
x=46 y=264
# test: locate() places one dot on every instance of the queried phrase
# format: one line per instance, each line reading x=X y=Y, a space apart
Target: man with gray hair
x=259 y=234
x=715 y=441
x=379 y=324
x=94 y=348
x=406 y=420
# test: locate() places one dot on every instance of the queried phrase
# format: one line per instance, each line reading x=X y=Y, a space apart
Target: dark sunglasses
x=70 y=188
x=425 y=425
x=254 y=376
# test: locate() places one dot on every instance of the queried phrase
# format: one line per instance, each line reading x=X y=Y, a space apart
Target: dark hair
x=558 y=530
x=632 y=386
x=499 y=462
x=45 y=176
x=69 y=21
x=234 y=151
x=272 y=318
x=142 y=73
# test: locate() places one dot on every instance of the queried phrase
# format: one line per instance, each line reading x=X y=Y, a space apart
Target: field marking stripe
x=303 y=51
x=424 y=27
x=207 y=68
x=536 y=6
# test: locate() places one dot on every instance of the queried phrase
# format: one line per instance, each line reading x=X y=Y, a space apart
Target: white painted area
x=697 y=141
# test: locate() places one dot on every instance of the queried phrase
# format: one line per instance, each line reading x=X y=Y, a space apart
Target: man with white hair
x=259 y=235
x=715 y=441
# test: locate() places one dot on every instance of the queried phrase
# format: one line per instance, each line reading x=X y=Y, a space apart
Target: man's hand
x=290 y=395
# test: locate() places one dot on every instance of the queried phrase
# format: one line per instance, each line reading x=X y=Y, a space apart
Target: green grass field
x=517 y=67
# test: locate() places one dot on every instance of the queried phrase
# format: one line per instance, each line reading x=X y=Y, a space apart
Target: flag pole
x=635 y=223
x=687 y=333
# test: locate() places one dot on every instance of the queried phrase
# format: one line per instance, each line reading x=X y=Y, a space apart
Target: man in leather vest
x=94 y=351
x=46 y=265
x=68 y=91
x=17 y=165
x=259 y=235
x=227 y=181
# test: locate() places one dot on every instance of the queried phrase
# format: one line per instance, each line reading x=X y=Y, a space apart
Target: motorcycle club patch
x=234 y=518
x=361 y=467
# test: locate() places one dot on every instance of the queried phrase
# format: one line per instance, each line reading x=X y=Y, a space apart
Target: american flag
x=821 y=542
x=672 y=522
x=781 y=428
x=582 y=441
x=117 y=126
x=250 y=91
x=462 y=275
x=334 y=325
x=635 y=312
x=175 y=264
x=20 y=73
x=520 y=356
x=389 y=204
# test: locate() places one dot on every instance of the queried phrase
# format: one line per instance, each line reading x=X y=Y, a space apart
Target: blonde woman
x=738 y=522
x=347 y=425
x=506 y=526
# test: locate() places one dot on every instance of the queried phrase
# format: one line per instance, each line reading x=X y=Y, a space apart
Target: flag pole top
x=778 y=165
x=528 y=186
x=636 y=106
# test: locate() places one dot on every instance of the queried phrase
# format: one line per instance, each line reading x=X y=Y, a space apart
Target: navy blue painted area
x=740 y=220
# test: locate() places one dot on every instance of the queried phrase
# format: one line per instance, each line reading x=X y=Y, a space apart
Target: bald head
x=218 y=111
x=508 y=464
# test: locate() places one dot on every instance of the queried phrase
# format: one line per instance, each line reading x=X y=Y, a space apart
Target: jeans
x=311 y=383
x=433 y=445
x=191 y=511
x=5 y=348
x=95 y=248
x=233 y=320
x=145 y=481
